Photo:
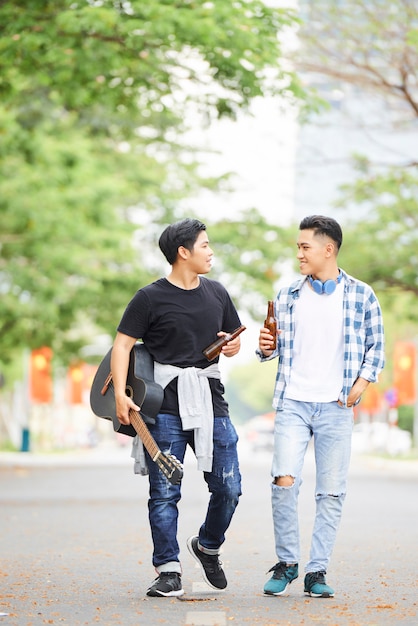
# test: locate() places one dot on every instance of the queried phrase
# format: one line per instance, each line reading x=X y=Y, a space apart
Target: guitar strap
x=144 y=369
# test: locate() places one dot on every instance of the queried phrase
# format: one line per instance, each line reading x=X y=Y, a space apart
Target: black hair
x=183 y=233
x=322 y=225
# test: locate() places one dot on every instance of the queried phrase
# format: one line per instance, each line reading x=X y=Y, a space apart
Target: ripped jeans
x=331 y=427
x=224 y=485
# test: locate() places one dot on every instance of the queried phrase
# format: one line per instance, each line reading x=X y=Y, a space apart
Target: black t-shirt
x=177 y=324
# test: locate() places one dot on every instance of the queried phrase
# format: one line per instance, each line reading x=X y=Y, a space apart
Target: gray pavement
x=75 y=546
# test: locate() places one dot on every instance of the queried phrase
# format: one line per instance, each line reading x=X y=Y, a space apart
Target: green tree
x=250 y=389
x=253 y=252
x=94 y=101
x=371 y=49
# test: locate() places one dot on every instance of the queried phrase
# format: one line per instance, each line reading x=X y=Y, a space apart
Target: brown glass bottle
x=270 y=322
x=212 y=351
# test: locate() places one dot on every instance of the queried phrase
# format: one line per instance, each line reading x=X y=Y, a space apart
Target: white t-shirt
x=318 y=353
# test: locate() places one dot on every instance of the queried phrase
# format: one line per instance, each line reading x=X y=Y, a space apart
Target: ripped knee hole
x=284 y=481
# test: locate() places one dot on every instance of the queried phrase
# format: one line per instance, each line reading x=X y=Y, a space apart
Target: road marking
x=205 y=618
x=201 y=587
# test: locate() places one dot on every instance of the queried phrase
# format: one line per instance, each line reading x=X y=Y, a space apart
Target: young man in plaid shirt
x=330 y=346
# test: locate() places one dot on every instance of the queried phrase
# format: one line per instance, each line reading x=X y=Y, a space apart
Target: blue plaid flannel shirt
x=363 y=335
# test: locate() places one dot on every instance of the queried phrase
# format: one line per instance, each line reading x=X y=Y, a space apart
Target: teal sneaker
x=283 y=575
x=316 y=586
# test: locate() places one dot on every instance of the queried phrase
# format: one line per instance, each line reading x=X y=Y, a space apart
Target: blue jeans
x=331 y=427
x=224 y=484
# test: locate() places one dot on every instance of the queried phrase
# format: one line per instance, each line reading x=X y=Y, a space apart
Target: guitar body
x=140 y=386
x=147 y=394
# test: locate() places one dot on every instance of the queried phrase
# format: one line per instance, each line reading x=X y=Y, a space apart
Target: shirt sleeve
x=135 y=319
x=374 y=352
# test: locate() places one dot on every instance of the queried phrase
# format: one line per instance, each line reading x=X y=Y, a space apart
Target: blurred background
x=119 y=118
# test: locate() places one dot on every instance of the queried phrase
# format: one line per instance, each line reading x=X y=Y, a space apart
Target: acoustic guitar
x=147 y=394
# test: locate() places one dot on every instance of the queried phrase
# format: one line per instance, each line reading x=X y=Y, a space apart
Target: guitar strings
x=149 y=442
x=147 y=435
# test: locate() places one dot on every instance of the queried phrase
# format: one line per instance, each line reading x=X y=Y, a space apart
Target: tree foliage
x=251 y=388
x=382 y=247
x=253 y=252
x=94 y=99
x=102 y=57
x=372 y=48
x=371 y=45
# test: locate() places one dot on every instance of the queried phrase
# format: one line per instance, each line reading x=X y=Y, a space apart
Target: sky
x=260 y=151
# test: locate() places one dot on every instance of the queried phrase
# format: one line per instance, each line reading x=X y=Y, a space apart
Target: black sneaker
x=211 y=566
x=167 y=584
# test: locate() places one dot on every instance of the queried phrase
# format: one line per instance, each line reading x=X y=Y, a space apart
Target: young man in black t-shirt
x=176 y=318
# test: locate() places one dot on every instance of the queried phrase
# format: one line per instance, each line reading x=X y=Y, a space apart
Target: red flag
x=40 y=377
x=75 y=380
x=404 y=368
x=80 y=377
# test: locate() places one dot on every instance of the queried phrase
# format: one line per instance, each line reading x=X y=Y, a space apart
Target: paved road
x=75 y=547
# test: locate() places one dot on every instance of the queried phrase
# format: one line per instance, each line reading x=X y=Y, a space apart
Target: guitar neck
x=144 y=434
